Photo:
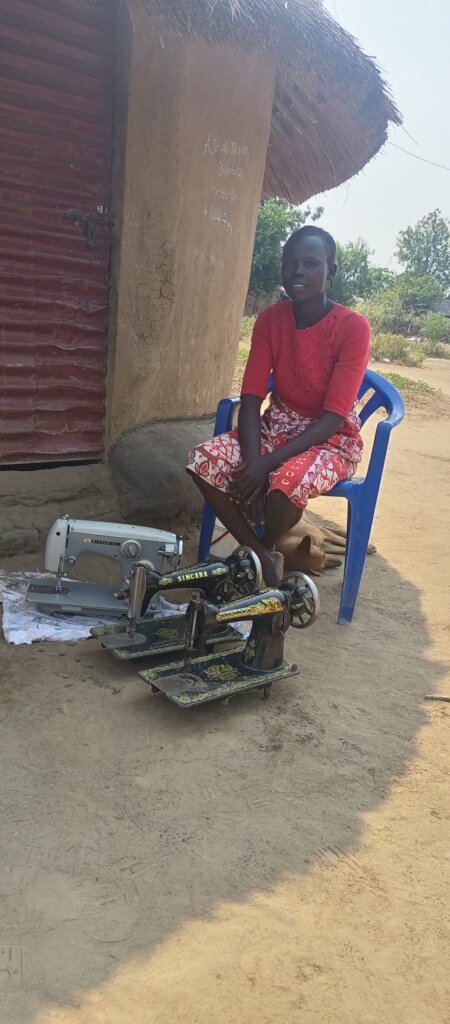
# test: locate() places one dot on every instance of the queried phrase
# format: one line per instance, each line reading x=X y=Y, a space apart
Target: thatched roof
x=331 y=109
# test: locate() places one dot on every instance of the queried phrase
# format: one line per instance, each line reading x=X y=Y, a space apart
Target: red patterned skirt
x=314 y=472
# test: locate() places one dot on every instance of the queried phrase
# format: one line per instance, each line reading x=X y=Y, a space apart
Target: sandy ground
x=251 y=863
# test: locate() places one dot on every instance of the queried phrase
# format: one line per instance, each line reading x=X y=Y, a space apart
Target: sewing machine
x=204 y=677
x=150 y=632
x=68 y=539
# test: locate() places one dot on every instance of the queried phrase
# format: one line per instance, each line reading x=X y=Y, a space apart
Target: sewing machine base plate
x=155 y=637
x=212 y=677
x=76 y=598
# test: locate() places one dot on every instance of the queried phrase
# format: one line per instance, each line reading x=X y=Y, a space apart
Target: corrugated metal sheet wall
x=56 y=71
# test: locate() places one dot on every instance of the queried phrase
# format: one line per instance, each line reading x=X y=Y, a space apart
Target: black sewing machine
x=203 y=677
x=151 y=632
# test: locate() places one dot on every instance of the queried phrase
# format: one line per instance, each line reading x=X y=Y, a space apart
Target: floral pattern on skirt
x=305 y=476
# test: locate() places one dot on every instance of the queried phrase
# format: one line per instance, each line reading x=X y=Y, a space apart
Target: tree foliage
x=386 y=313
x=400 y=305
x=417 y=294
x=425 y=248
x=277 y=220
x=355 y=277
x=399 y=309
x=435 y=327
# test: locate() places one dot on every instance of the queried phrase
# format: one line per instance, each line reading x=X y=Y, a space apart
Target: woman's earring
x=330 y=282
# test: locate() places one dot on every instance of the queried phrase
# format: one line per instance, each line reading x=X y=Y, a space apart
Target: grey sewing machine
x=68 y=539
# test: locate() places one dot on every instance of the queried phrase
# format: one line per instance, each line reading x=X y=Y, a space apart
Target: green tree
x=351 y=280
x=277 y=219
x=425 y=248
x=380 y=278
x=355 y=277
x=400 y=307
x=435 y=327
x=418 y=295
x=387 y=314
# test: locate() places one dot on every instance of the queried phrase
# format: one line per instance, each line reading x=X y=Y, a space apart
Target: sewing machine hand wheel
x=305 y=600
x=246 y=581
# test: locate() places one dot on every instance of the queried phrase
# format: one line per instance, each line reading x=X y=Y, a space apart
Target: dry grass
x=395 y=348
x=435 y=349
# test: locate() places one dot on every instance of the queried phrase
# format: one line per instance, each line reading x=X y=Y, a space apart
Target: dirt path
x=252 y=863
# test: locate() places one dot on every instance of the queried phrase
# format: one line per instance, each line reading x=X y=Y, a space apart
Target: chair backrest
x=385 y=396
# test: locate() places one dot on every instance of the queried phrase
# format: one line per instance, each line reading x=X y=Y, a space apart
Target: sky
x=410 y=40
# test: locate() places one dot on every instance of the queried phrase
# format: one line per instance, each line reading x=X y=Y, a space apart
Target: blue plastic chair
x=361 y=492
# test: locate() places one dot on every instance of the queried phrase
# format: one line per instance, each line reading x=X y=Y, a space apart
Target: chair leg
x=206 y=532
x=359 y=525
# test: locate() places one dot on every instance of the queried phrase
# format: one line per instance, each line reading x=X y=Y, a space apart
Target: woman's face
x=304 y=269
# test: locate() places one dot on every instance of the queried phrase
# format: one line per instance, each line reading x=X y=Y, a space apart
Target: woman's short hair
x=311 y=229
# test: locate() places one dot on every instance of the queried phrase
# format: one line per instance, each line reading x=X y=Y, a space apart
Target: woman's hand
x=250 y=480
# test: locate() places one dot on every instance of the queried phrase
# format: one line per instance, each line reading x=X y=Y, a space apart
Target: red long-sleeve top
x=316 y=369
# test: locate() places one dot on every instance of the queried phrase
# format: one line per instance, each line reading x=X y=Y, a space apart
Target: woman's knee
x=277 y=502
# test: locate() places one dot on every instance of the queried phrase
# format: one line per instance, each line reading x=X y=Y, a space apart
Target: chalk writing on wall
x=220 y=192
x=229 y=165
x=213 y=146
x=221 y=216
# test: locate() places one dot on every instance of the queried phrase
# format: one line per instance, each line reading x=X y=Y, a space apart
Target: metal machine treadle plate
x=213 y=677
x=75 y=598
x=158 y=637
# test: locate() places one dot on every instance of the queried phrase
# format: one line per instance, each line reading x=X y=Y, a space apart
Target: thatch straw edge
x=332 y=107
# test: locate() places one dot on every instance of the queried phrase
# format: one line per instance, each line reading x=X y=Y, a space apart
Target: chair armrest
x=379 y=449
x=397 y=413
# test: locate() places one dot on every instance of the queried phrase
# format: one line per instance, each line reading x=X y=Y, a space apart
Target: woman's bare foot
x=272 y=563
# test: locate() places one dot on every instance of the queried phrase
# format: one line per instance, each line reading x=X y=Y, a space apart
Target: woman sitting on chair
x=308 y=438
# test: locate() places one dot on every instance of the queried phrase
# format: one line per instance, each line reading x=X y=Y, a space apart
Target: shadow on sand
x=125 y=817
